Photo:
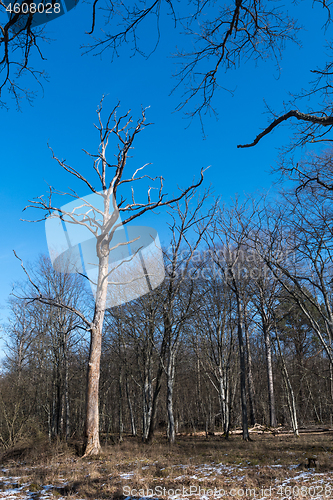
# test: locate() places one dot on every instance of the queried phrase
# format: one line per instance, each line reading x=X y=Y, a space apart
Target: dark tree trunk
x=130 y=408
x=242 y=363
x=154 y=404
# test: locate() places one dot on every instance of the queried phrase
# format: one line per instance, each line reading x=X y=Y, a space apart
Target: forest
x=239 y=333
x=142 y=361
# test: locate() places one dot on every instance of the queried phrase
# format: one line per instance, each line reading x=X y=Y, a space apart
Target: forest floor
x=196 y=467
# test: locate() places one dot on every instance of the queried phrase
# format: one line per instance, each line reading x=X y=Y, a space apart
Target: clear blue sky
x=65 y=113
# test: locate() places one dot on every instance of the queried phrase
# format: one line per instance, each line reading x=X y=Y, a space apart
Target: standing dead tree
x=101 y=219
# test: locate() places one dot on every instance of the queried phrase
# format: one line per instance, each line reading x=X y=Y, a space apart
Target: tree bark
x=250 y=376
x=224 y=402
x=170 y=385
x=67 y=418
x=92 y=444
x=242 y=363
x=146 y=399
x=270 y=381
x=289 y=391
x=154 y=404
x=130 y=407
x=121 y=424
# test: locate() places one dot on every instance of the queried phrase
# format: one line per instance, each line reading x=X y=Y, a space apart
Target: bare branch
x=321 y=120
x=50 y=301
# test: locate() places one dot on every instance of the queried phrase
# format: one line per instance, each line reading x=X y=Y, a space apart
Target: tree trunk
x=289 y=390
x=121 y=424
x=130 y=407
x=147 y=401
x=269 y=365
x=154 y=404
x=92 y=444
x=224 y=402
x=67 y=429
x=250 y=376
x=170 y=384
x=242 y=363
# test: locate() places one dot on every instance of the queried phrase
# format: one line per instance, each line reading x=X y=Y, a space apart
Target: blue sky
x=63 y=116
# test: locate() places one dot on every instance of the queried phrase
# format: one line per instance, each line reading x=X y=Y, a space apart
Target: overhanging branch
x=318 y=120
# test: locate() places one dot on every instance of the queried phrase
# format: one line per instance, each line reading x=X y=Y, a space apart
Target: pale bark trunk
x=250 y=377
x=290 y=400
x=170 y=385
x=224 y=402
x=243 y=384
x=270 y=381
x=92 y=443
x=289 y=391
x=147 y=403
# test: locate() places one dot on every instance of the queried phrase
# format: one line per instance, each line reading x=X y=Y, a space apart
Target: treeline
x=239 y=332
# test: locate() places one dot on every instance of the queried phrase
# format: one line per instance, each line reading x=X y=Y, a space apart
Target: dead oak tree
x=102 y=223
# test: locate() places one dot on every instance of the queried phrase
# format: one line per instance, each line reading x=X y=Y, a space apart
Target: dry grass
x=194 y=461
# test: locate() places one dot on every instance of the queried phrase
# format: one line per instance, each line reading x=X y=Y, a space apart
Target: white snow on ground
x=14 y=489
x=233 y=475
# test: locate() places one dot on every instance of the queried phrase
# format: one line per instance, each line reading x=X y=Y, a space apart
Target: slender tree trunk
x=331 y=370
x=170 y=385
x=54 y=423
x=269 y=365
x=147 y=401
x=289 y=391
x=224 y=402
x=121 y=424
x=154 y=404
x=199 y=399
x=242 y=363
x=130 y=407
x=67 y=419
x=250 y=376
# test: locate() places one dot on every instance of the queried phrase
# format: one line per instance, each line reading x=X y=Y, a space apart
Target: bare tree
x=178 y=292
x=227 y=244
x=264 y=296
x=213 y=335
x=102 y=222
x=139 y=326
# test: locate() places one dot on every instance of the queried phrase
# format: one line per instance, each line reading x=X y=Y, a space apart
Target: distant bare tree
x=213 y=335
x=227 y=242
x=177 y=293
